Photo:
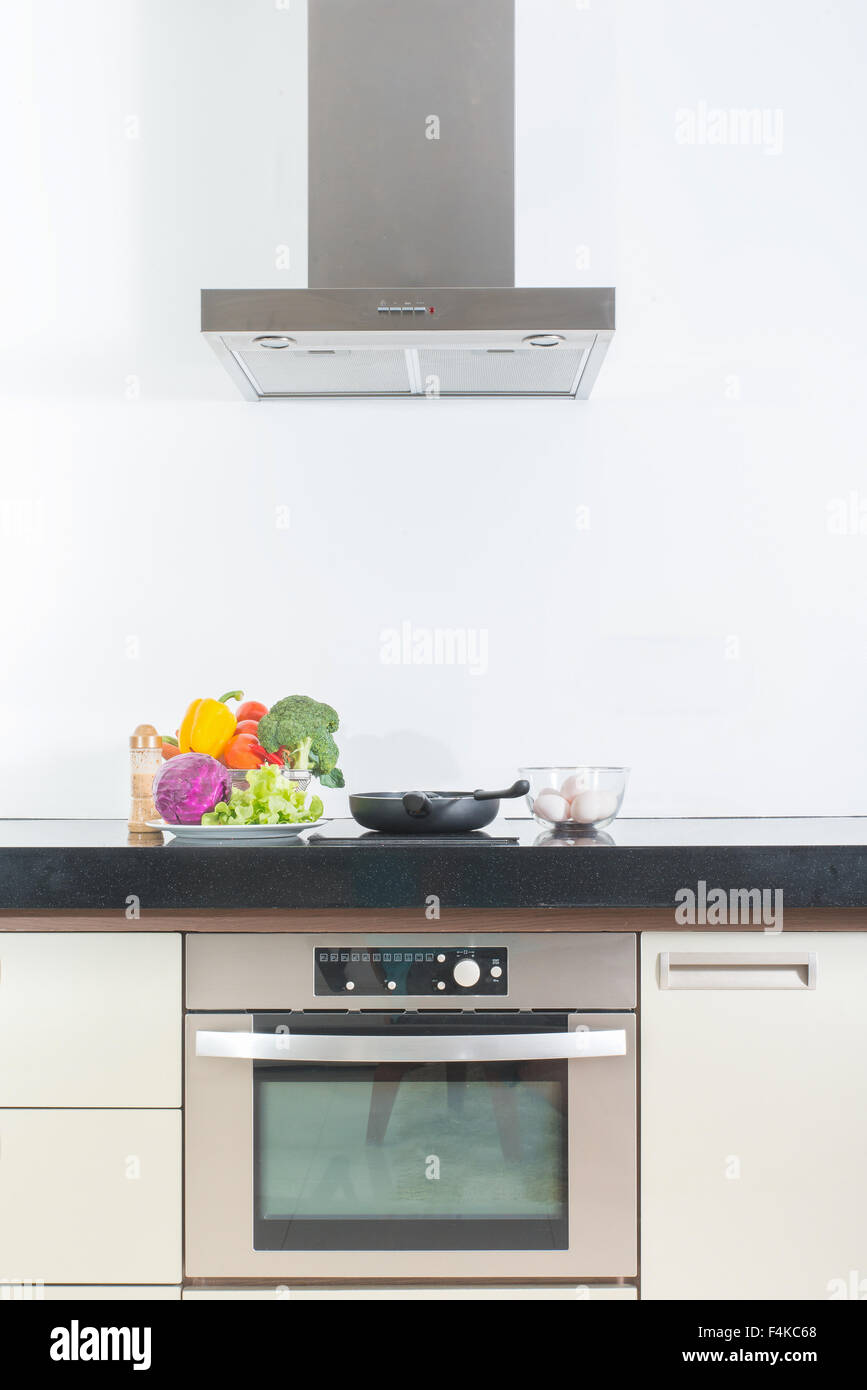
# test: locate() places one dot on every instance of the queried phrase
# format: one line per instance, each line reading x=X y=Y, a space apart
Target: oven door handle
x=337 y=1047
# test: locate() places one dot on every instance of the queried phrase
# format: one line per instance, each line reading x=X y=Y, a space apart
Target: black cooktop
x=382 y=840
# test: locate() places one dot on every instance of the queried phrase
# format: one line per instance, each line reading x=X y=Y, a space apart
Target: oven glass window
x=411 y=1156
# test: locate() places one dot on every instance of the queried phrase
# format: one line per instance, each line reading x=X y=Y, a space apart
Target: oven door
x=412 y=1144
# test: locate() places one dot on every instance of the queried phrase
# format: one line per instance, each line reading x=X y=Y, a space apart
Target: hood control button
x=398 y=309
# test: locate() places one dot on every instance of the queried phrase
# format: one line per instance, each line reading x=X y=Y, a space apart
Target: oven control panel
x=438 y=971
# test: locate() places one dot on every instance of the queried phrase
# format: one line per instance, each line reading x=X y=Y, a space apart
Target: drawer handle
x=737 y=970
x=336 y=1047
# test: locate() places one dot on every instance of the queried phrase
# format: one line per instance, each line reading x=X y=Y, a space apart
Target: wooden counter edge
x=408 y=920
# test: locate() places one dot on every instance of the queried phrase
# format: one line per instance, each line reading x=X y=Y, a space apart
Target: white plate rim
x=287 y=829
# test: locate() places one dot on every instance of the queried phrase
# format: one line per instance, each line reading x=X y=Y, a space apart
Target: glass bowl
x=585 y=839
x=575 y=798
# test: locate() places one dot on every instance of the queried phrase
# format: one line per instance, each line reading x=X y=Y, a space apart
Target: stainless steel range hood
x=411 y=226
x=280 y=344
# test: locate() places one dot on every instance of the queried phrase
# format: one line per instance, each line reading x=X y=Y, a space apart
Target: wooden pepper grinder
x=145 y=760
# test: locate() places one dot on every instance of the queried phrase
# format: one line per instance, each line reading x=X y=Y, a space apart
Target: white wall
x=704 y=621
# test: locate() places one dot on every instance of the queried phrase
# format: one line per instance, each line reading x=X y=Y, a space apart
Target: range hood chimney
x=411 y=226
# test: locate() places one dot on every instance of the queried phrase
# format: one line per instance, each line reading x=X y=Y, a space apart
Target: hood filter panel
x=276 y=373
x=516 y=372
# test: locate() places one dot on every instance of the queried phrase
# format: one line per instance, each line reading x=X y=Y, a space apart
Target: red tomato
x=247 y=726
x=251 y=709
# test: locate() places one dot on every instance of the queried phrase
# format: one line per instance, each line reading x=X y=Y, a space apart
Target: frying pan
x=430 y=813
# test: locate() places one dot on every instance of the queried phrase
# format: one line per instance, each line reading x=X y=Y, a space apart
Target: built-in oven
x=420 y=1106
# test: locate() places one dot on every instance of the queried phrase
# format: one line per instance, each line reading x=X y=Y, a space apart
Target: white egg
x=576 y=782
x=590 y=807
x=550 y=805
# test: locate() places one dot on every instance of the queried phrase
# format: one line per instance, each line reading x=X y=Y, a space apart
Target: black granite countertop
x=64 y=865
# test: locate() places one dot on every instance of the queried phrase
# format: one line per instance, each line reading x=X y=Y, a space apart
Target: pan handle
x=416 y=804
x=517 y=789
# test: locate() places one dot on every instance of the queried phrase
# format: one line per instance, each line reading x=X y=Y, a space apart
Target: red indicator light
x=431 y=310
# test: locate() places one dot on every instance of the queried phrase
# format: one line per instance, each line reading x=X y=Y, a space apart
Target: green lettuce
x=268 y=799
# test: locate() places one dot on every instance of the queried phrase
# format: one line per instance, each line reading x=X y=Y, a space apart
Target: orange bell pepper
x=208 y=725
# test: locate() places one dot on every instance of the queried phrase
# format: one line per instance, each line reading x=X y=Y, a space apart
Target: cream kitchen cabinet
x=90 y=1196
x=90 y=1019
x=754 y=1114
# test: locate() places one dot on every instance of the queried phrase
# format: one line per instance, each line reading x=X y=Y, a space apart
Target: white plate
x=219 y=834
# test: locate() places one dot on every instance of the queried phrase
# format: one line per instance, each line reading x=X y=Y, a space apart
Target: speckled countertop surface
x=65 y=865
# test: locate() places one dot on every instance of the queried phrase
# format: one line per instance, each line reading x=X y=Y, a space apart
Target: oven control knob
x=467 y=972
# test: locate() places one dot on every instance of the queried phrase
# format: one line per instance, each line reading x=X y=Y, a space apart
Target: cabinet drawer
x=90 y=1018
x=754 y=1114
x=90 y=1196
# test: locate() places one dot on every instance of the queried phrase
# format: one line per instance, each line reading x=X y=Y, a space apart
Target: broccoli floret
x=323 y=752
x=300 y=729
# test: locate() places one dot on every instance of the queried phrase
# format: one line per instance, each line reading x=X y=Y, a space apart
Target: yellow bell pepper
x=208 y=725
